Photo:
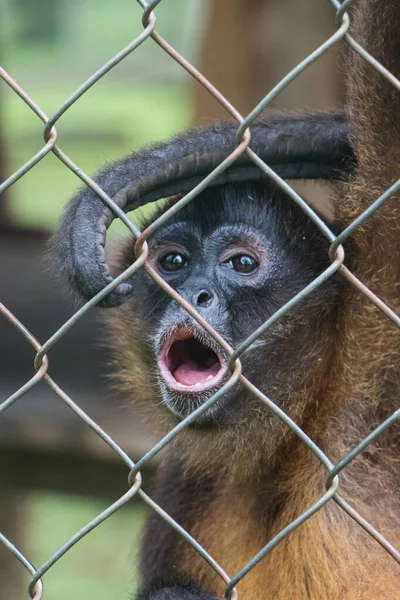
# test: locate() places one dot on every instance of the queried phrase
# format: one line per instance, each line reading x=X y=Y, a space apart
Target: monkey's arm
x=375 y=109
x=374 y=104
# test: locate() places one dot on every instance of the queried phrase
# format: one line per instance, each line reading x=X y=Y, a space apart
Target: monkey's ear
x=295 y=145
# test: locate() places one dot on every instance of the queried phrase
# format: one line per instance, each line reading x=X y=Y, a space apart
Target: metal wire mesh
x=149 y=35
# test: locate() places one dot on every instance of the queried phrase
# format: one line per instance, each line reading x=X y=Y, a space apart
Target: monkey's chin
x=183 y=405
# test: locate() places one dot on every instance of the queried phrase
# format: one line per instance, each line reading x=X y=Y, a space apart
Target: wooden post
x=251 y=44
x=226 y=59
x=14 y=577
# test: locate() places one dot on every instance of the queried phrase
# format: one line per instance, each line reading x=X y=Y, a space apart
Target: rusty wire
x=337 y=256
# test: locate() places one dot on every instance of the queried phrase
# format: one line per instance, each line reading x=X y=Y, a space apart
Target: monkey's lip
x=188 y=364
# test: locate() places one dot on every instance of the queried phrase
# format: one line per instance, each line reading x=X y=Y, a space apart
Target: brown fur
x=354 y=385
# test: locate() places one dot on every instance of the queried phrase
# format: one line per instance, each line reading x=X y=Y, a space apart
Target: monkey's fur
x=239 y=477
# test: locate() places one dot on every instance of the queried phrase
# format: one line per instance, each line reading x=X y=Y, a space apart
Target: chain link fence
x=150 y=36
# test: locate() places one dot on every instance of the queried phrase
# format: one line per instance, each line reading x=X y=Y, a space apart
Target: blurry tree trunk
x=14 y=577
x=251 y=44
x=226 y=59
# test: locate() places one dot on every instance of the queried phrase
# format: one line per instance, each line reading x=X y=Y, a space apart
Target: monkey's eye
x=243 y=263
x=173 y=261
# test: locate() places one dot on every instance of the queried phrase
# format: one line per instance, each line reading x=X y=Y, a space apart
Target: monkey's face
x=214 y=271
x=236 y=255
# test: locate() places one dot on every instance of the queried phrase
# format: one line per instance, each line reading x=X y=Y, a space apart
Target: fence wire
x=150 y=35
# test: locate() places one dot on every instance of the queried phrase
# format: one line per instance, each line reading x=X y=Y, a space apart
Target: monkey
x=237 y=475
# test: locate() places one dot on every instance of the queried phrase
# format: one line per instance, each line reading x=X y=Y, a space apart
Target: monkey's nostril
x=204 y=298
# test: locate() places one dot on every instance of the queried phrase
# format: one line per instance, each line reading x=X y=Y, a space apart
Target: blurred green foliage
x=51 y=47
x=102 y=565
x=109 y=121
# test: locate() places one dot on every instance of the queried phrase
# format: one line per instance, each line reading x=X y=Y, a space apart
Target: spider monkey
x=237 y=476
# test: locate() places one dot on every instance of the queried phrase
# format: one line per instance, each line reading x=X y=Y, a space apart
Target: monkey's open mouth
x=187 y=364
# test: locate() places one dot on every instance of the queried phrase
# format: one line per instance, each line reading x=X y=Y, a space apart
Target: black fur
x=181 y=496
x=174 y=592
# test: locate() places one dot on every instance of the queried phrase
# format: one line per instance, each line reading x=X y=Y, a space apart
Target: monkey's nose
x=204 y=298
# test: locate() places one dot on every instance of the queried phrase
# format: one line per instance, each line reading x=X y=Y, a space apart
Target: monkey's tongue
x=188 y=365
x=191 y=372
